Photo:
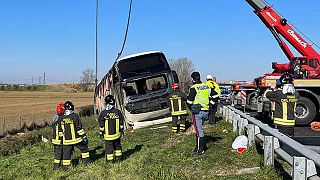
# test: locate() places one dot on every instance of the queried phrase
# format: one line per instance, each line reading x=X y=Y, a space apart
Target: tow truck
x=305 y=69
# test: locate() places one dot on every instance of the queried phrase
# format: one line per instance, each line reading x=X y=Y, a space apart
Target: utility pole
x=32 y=81
x=44 y=78
x=96 y=78
x=39 y=80
x=97 y=13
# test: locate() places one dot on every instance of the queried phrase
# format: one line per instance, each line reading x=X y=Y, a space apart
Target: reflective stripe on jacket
x=57 y=134
x=72 y=129
x=111 y=124
x=284 y=107
x=178 y=103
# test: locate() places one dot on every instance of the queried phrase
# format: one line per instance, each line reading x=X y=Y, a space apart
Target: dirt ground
x=18 y=107
x=15 y=103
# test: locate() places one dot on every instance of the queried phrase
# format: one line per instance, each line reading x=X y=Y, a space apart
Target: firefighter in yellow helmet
x=73 y=135
x=111 y=122
x=214 y=99
x=284 y=100
x=178 y=108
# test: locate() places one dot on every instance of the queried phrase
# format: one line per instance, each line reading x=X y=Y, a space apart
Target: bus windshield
x=142 y=65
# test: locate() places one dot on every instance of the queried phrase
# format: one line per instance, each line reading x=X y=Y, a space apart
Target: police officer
x=111 y=123
x=284 y=100
x=57 y=136
x=73 y=135
x=214 y=99
x=178 y=108
x=198 y=102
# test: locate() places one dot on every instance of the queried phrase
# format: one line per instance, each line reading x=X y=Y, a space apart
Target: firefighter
x=178 y=108
x=57 y=137
x=214 y=99
x=73 y=135
x=198 y=103
x=111 y=122
x=284 y=99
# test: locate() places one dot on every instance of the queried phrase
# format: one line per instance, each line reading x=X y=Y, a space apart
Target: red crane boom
x=309 y=62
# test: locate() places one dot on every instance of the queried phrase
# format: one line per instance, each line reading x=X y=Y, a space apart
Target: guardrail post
x=230 y=115
x=245 y=123
x=241 y=126
x=235 y=124
x=227 y=114
x=299 y=168
x=251 y=134
x=268 y=145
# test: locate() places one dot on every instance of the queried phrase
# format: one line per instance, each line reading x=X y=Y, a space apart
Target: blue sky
x=223 y=38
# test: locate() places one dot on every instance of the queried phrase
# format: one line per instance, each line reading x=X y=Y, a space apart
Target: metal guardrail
x=305 y=162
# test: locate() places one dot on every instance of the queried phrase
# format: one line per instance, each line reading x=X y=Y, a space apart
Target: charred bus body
x=140 y=84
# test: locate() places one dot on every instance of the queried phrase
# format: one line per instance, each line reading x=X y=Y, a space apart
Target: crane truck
x=305 y=69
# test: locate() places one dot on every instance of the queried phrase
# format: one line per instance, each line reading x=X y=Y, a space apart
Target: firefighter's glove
x=85 y=140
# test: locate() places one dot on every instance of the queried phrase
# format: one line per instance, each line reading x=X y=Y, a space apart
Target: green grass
x=148 y=154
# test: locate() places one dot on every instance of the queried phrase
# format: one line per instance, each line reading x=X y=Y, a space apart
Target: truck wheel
x=305 y=111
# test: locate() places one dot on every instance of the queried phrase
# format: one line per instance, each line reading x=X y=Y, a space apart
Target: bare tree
x=184 y=67
x=87 y=79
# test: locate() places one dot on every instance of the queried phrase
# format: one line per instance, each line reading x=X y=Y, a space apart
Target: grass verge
x=147 y=153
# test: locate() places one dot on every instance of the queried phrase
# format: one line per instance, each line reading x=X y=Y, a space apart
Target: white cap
x=209 y=77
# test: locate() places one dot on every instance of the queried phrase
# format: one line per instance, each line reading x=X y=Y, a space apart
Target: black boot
x=117 y=159
x=86 y=161
x=65 y=168
x=201 y=146
x=56 y=166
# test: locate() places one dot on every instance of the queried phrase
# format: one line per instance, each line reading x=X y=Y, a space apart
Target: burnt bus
x=140 y=84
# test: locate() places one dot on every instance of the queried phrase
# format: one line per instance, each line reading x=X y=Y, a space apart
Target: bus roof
x=139 y=54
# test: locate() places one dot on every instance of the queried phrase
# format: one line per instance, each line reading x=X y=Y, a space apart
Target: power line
x=127 y=29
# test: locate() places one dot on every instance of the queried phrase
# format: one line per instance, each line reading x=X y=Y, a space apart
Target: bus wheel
x=305 y=111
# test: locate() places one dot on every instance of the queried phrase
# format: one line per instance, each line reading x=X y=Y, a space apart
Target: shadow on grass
x=212 y=139
x=93 y=156
x=129 y=152
x=93 y=153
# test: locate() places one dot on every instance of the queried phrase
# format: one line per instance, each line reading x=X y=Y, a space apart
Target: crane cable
x=313 y=43
x=126 y=33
